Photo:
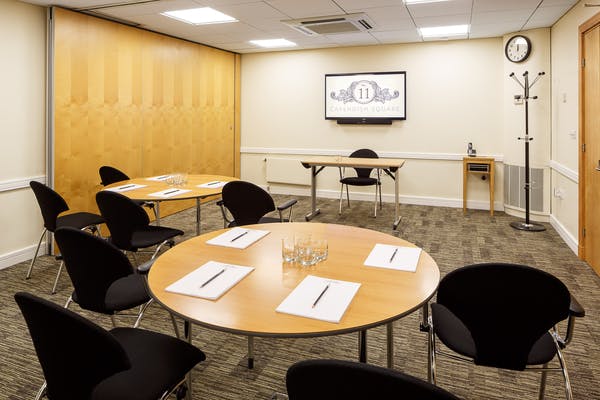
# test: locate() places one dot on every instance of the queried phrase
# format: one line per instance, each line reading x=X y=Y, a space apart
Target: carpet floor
x=451 y=238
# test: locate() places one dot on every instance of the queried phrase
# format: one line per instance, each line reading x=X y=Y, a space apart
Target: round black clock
x=517 y=48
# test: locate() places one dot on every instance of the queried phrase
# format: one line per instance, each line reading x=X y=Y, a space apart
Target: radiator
x=286 y=170
x=514 y=187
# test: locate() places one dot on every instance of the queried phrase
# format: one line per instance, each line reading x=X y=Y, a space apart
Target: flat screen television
x=365 y=98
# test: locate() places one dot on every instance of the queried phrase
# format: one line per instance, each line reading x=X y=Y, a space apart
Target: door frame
x=583 y=28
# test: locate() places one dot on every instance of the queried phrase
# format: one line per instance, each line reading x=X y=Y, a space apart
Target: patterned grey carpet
x=452 y=239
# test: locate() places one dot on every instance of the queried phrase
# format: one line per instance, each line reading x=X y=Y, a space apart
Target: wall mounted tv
x=365 y=98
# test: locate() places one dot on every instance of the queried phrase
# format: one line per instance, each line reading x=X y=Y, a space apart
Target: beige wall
x=22 y=122
x=454 y=96
x=565 y=121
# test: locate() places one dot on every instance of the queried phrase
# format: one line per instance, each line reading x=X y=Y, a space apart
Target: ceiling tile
x=306 y=8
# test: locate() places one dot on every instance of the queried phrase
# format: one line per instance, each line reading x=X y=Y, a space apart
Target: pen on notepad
x=162 y=177
x=321 y=295
x=171 y=191
x=126 y=186
x=238 y=236
x=393 y=254
x=212 y=183
x=213 y=277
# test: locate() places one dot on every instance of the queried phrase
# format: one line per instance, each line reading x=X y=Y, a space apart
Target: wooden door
x=589 y=166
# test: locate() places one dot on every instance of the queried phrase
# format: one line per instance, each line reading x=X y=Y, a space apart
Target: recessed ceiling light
x=444 y=31
x=422 y=1
x=199 y=16
x=273 y=43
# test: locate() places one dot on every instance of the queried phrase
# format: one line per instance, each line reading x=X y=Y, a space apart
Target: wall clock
x=517 y=48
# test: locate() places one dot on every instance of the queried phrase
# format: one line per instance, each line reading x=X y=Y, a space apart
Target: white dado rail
x=16 y=184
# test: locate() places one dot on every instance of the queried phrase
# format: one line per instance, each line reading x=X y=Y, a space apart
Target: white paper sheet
x=215 y=282
x=126 y=187
x=238 y=237
x=333 y=296
x=404 y=258
x=159 y=178
x=169 y=193
x=212 y=185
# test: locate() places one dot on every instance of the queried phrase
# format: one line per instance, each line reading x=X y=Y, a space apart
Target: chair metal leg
x=69 y=300
x=60 y=267
x=431 y=354
x=341 y=197
x=543 y=383
x=37 y=249
x=143 y=308
x=563 y=367
x=175 y=327
x=41 y=392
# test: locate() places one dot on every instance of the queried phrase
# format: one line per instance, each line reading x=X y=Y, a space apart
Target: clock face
x=517 y=48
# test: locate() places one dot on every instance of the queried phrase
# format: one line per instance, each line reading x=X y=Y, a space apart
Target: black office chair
x=503 y=316
x=350 y=380
x=248 y=204
x=129 y=225
x=110 y=175
x=362 y=178
x=52 y=205
x=81 y=360
x=103 y=278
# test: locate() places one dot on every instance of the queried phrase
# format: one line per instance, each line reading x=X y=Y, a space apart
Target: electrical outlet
x=559 y=193
x=518 y=99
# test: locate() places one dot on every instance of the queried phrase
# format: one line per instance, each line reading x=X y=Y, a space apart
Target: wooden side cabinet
x=479 y=166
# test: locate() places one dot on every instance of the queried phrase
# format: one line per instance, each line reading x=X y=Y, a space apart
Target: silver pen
x=393 y=254
x=213 y=277
x=238 y=236
x=321 y=295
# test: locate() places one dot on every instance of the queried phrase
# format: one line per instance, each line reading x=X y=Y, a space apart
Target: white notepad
x=159 y=178
x=216 y=277
x=126 y=187
x=169 y=193
x=404 y=258
x=238 y=237
x=212 y=185
x=333 y=296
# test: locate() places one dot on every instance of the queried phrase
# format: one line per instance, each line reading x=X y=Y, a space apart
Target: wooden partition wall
x=145 y=103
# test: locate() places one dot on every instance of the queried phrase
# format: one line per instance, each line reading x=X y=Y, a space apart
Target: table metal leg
x=157 y=211
x=362 y=346
x=197 y=216
x=313 y=193
x=397 y=217
x=250 y=352
x=390 y=345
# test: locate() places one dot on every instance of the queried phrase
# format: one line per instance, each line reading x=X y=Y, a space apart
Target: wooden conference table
x=248 y=308
x=151 y=185
x=389 y=165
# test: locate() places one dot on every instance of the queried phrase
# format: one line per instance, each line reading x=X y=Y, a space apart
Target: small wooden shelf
x=480 y=166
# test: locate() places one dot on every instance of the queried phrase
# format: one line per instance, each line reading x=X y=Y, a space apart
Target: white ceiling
x=394 y=22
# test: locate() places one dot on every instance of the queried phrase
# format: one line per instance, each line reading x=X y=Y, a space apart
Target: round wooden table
x=249 y=307
x=192 y=184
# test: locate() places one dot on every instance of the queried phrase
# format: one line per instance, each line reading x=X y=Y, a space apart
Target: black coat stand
x=527 y=225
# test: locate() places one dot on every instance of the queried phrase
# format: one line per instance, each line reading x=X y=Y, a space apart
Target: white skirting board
x=286 y=170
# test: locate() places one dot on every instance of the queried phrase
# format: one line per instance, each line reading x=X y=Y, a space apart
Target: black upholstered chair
x=110 y=175
x=350 y=380
x=81 y=360
x=129 y=224
x=104 y=280
x=248 y=204
x=503 y=316
x=53 y=205
x=362 y=178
